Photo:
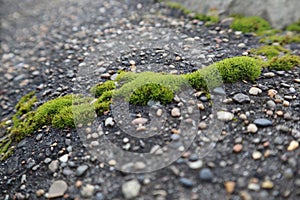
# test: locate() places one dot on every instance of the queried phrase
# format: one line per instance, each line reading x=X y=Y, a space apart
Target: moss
x=250 y=24
x=294 y=26
x=102 y=87
x=281 y=39
x=211 y=17
x=286 y=62
x=177 y=6
x=269 y=51
x=151 y=91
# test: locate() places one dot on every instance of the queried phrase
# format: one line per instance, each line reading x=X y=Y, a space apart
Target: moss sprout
x=286 y=62
x=98 y=89
x=250 y=24
x=294 y=26
x=269 y=51
x=281 y=39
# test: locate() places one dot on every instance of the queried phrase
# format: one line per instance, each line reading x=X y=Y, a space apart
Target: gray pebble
x=81 y=170
x=206 y=174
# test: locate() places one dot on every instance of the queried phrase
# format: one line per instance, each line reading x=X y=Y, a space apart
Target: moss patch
x=286 y=62
x=281 y=39
x=294 y=26
x=250 y=24
x=269 y=51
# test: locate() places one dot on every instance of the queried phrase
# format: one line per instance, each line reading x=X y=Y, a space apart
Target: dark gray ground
x=44 y=42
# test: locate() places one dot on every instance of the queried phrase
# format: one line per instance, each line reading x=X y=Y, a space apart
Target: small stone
x=224 y=116
x=53 y=166
x=255 y=91
x=57 y=189
x=196 y=164
x=241 y=45
x=297 y=80
x=286 y=103
x=243 y=116
x=253 y=186
x=229 y=186
x=81 y=170
x=272 y=93
x=186 y=182
x=131 y=189
x=109 y=122
x=293 y=145
x=87 y=191
x=139 y=120
x=175 y=112
x=245 y=195
x=64 y=158
x=237 y=148
x=112 y=162
x=263 y=122
x=39 y=137
x=219 y=90
x=40 y=192
x=252 y=128
x=279 y=113
x=78 y=184
x=159 y=112
x=206 y=174
x=241 y=98
x=256 y=155
x=139 y=165
x=271 y=104
x=267 y=184
x=202 y=125
x=269 y=74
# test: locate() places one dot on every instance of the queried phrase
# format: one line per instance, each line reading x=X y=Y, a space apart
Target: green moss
x=281 y=39
x=286 y=62
x=250 y=24
x=151 y=91
x=177 y=6
x=212 y=16
x=294 y=26
x=102 y=87
x=269 y=51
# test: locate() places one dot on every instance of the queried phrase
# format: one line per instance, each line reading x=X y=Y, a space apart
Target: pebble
x=139 y=120
x=245 y=195
x=81 y=170
x=286 y=103
x=297 y=80
x=271 y=104
x=293 y=145
x=205 y=174
x=109 y=122
x=237 y=148
x=267 y=184
x=202 y=125
x=87 y=191
x=196 y=164
x=175 y=112
x=241 y=45
x=255 y=91
x=219 y=90
x=53 y=166
x=241 y=98
x=272 y=93
x=159 y=112
x=252 y=128
x=40 y=192
x=256 y=155
x=64 y=158
x=186 y=182
x=253 y=186
x=263 y=122
x=224 y=116
x=131 y=189
x=229 y=186
x=39 y=137
x=269 y=74
x=57 y=189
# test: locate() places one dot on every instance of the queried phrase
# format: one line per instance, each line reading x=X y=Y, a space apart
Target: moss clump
x=294 y=26
x=286 y=62
x=103 y=102
x=269 y=51
x=98 y=89
x=250 y=24
x=213 y=18
x=151 y=91
x=281 y=39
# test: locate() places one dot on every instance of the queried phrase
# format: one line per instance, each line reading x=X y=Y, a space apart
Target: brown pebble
x=175 y=131
x=272 y=93
x=279 y=113
x=78 y=184
x=237 y=148
x=229 y=186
